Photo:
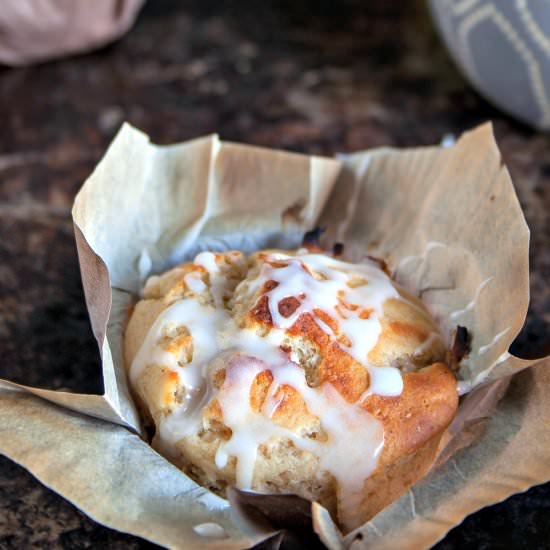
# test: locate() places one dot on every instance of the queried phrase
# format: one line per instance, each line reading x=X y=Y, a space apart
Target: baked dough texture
x=291 y=372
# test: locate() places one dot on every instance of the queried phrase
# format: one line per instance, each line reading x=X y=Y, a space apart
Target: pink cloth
x=38 y=30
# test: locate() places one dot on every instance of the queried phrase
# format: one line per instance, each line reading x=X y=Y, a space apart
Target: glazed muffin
x=291 y=372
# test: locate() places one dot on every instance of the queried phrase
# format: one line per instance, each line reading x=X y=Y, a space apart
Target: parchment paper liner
x=446 y=220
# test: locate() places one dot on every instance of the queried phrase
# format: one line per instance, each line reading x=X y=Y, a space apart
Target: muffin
x=291 y=372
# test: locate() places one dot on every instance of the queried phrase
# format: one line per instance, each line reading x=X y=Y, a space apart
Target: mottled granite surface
x=317 y=77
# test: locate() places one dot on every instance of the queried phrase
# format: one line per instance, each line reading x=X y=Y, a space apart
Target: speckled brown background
x=310 y=76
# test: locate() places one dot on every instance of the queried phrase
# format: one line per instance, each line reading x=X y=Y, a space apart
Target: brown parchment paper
x=449 y=225
x=509 y=457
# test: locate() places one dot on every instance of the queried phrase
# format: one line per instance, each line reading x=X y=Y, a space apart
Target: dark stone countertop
x=317 y=77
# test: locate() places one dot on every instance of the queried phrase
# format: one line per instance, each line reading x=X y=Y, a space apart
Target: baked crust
x=413 y=421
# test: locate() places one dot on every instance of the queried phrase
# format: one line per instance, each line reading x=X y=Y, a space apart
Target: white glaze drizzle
x=210 y=530
x=215 y=335
x=346 y=426
x=217 y=280
x=201 y=321
x=194 y=282
x=208 y=261
x=330 y=294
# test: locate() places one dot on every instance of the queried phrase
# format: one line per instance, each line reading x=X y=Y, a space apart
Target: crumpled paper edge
x=327 y=531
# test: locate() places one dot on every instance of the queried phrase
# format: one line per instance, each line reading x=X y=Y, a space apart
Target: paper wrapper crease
x=447 y=222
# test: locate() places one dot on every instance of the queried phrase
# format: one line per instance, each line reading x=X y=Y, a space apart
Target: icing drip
x=208 y=261
x=211 y=530
x=194 y=282
x=201 y=321
x=339 y=292
x=347 y=426
x=352 y=295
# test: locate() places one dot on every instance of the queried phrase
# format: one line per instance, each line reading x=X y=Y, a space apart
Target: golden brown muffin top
x=328 y=355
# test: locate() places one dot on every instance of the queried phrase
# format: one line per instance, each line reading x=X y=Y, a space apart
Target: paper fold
x=447 y=222
x=84 y=459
